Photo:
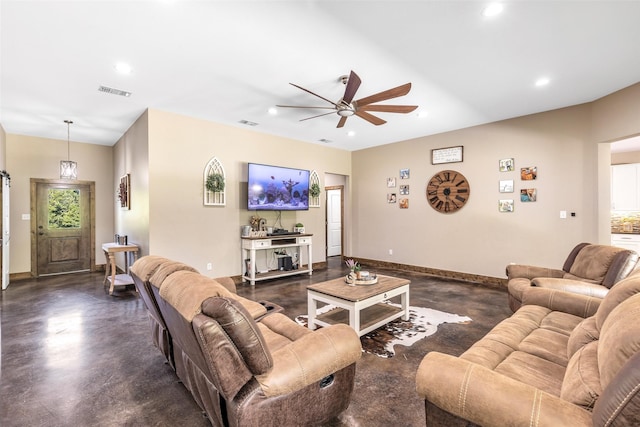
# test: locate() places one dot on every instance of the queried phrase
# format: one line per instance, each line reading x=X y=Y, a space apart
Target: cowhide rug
x=423 y=322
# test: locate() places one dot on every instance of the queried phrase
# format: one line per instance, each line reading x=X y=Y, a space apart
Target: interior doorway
x=335 y=220
x=62 y=226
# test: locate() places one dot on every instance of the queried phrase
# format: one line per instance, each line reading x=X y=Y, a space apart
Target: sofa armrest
x=531 y=271
x=557 y=300
x=485 y=397
x=311 y=358
x=575 y=286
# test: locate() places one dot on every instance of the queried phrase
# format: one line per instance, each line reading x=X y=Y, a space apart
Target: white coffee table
x=360 y=306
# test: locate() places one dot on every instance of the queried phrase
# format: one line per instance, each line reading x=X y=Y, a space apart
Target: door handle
x=41 y=233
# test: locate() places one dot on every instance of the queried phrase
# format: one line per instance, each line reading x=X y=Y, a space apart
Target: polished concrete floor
x=74 y=356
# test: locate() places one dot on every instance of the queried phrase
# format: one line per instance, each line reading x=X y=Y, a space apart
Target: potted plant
x=215 y=183
x=354 y=266
x=314 y=190
x=299 y=227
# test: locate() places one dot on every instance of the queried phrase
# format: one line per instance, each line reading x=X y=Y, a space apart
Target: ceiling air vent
x=113 y=91
x=325 y=140
x=248 y=123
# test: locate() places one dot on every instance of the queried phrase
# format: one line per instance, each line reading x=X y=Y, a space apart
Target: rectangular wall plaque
x=446 y=155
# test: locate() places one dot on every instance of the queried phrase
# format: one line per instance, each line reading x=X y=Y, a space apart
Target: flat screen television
x=276 y=188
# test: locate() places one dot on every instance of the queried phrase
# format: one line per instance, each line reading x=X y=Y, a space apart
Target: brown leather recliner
x=554 y=362
x=154 y=269
x=588 y=270
x=246 y=365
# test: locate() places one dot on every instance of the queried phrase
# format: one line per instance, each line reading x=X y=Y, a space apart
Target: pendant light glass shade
x=68 y=168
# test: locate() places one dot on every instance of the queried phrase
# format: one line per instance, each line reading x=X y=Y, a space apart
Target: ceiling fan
x=347 y=107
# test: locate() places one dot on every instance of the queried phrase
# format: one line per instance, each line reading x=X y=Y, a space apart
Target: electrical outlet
x=390 y=251
x=563 y=214
x=209 y=266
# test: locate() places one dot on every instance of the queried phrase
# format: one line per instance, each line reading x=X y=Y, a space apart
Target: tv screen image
x=277 y=188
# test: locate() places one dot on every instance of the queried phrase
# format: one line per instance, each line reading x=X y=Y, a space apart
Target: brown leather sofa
x=588 y=270
x=562 y=359
x=246 y=365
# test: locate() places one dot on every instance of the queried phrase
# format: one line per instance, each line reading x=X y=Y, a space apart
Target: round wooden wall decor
x=448 y=191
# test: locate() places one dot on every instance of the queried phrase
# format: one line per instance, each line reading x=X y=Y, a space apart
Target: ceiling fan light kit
x=347 y=107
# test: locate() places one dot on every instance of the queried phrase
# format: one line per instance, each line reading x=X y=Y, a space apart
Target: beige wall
x=478 y=239
x=179 y=225
x=33 y=157
x=3 y=148
x=131 y=156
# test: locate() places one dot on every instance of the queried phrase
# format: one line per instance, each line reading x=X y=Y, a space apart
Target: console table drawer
x=261 y=243
x=304 y=240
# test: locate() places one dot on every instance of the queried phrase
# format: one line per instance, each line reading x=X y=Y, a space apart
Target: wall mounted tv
x=276 y=188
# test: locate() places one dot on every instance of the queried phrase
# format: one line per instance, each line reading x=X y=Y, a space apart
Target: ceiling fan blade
x=342 y=121
x=314 y=94
x=370 y=118
x=303 y=106
x=352 y=87
x=319 y=115
x=384 y=95
x=389 y=108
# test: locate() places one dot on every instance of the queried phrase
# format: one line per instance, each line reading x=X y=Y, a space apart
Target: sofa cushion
x=243 y=331
x=581 y=384
x=619 y=338
x=546 y=344
x=584 y=333
x=618 y=293
x=535 y=371
x=165 y=270
x=592 y=263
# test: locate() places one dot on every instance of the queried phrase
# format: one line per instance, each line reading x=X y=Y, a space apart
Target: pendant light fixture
x=68 y=168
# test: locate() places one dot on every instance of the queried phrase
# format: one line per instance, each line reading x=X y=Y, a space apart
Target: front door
x=63 y=226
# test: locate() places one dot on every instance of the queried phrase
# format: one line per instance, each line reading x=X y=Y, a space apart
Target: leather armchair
x=244 y=362
x=588 y=270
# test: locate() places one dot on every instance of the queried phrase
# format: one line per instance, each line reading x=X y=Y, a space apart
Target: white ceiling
x=227 y=61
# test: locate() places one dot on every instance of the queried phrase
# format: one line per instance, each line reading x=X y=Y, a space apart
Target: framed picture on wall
x=506 y=186
x=529 y=174
x=124 y=192
x=506 y=165
x=404 y=173
x=505 y=205
x=404 y=189
x=391 y=197
x=528 y=194
x=391 y=182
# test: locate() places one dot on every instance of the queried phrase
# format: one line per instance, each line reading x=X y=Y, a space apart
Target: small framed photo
x=528 y=194
x=391 y=197
x=404 y=190
x=404 y=173
x=506 y=186
x=391 y=182
x=404 y=203
x=124 y=192
x=505 y=205
x=506 y=165
x=529 y=174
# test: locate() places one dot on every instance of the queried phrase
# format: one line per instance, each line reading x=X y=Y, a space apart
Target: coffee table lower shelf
x=371 y=318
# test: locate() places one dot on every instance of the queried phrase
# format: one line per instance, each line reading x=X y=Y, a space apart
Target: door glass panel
x=64 y=208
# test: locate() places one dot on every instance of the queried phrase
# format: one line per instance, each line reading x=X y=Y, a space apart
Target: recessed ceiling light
x=492 y=9
x=422 y=114
x=351 y=133
x=273 y=111
x=542 y=81
x=123 y=68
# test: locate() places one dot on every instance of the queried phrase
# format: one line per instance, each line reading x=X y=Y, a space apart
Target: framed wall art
x=506 y=186
x=528 y=194
x=404 y=203
x=404 y=189
x=447 y=155
x=505 y=205
x=124 y=191
x=528 y=174
x=391 y=197
x=391 y=182
x=404 y=173
x=506 y=165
